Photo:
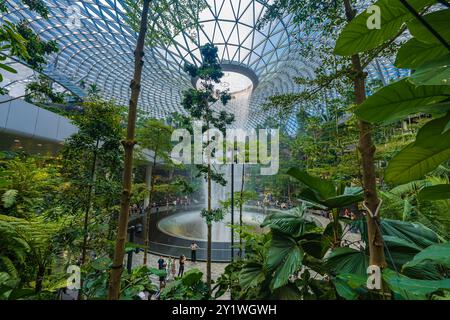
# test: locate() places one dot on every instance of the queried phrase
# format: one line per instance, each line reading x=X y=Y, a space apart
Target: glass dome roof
x=97 y=47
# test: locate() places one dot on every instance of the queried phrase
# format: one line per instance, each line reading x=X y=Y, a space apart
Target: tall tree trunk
x=367 y=150
x=149 y=213
x=86 y=215
x=240 y=210
x=117 y=267
x=88 y=204
x=209 y=249
x=39 y=279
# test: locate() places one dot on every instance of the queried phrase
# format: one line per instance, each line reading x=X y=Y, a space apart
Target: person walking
x=162 y=266
x=181 y=268
x=173 y=267
x=194 y=248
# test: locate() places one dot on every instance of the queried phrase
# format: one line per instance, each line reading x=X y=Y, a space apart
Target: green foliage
x=324 y=193
x=155 y=135
x=439 y=22
x=36 y=48
x=431 y=263
x=357 y=37
x=32 y=244
x=20 y=41
x=438 y=192
x=189 y=287
x=28 y=186
x=198 y=103
x=167 y=18
x=294 y=222
x=214 y=215
x=415 y=53
x=96 y=274
x=285 y=258
x=91 y=165
x=431 y=148
x=426 y=91
x=347 y=260
x=434 y=72
x=405 y=288
x=238 y=199
x=41 y=91
x=400 y=99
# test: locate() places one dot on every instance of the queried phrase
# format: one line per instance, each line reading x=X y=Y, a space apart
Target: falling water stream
x=190 y=225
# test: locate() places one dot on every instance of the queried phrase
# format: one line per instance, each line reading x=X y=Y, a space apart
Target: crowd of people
x=268 y=200
x=170 y=266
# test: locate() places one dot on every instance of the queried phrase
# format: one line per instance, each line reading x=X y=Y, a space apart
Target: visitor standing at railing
x=181 y=269
x=194 y=248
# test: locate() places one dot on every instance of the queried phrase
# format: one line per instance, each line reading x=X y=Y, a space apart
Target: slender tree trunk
x=367 y=150
x=86 y=215
x=209 y=249
x=117 y=267
x=39 y=279
x=149 y=213
x=240 y=210
x=88 y=204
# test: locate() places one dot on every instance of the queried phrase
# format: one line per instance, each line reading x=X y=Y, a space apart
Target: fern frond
x=9 y=266
x=9 y=198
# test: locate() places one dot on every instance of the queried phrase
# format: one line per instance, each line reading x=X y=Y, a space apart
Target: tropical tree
x=199 y=104
x=426 y=91
x=175 y=17
x=357 y=45
x=155 y=136
x=33 y=242
x=296 y=261
x=324 y=194
x=91 y=161
x=239 y=199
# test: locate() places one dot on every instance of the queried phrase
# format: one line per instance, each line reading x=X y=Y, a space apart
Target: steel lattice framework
x=98 y=48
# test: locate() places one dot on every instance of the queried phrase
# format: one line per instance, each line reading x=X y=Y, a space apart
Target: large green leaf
x=347 y=260
x=439 y=21
x=357 y=37
x=191 y=277
x=415 y=233
x=413 y=289
x=434 y=72
x=287 y=292
x=431 y=148
x=321 y=187
x=309 y=197
x=431 y=263
x=293 y=222
x=158 y=272
x=399 y=251
x=432 y=193
x=314 y=244
x=350 y=286
x=346 y=199
x=399 y=99
x=414 y=53
x=284 y=258
x=101 y=264
x=251 y=275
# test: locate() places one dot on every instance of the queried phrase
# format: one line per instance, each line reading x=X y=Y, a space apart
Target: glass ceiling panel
x=100 y=50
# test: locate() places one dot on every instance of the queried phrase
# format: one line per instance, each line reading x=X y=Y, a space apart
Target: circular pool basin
x=190 y=225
